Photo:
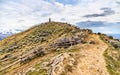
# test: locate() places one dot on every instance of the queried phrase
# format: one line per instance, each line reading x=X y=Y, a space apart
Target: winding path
x=92 y=61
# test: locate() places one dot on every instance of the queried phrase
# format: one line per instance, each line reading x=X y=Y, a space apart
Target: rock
x=114 y=43
x=66 y=42
x=38 y=52
x=45 y=65
x=58 y=64
x=92 y=42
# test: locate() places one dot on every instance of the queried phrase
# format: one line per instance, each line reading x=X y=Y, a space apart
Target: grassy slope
x=24 y=43
x=112 y=57
x=35 y=34
x=89 y=51
x=43 y=35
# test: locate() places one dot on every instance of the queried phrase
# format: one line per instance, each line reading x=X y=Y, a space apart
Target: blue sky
x=22 y=14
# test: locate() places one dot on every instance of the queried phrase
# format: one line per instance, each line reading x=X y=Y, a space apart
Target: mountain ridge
x=36 y=50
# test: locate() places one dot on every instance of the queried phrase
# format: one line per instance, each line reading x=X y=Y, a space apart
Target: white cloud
x=22 y=14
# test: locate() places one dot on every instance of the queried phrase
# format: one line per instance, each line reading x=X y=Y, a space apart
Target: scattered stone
x=92 y=42
x=58 y=64
x=66 y=42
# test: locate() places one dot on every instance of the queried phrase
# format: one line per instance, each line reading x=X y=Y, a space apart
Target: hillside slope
x=53 y=48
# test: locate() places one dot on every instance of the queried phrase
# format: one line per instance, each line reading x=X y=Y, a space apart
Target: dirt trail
x=92 y=61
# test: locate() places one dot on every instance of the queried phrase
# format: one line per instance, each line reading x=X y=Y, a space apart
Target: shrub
x=99 y=33
x=110 y=37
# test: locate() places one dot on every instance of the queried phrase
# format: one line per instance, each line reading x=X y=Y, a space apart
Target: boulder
x=66 y=42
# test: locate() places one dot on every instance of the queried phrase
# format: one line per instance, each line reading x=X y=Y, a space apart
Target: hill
x=56 y=48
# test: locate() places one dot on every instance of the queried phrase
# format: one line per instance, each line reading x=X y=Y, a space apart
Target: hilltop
x=55 y=48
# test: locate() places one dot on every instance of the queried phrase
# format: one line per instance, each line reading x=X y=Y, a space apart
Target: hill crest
x=54 y=43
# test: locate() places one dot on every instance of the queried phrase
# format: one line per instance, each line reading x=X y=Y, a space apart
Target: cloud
x=22 y=14
x=118 y=2
x=89 y=24
x=101 y=26
x=63 y=19
x=72 y=2
x=106 y=12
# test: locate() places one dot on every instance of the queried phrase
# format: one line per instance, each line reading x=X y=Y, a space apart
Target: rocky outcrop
x=66 y=42
x=37 y=52
x=60 y=64
x=115 y=43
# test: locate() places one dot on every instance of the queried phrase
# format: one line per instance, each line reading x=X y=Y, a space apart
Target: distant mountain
x=4 y=35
